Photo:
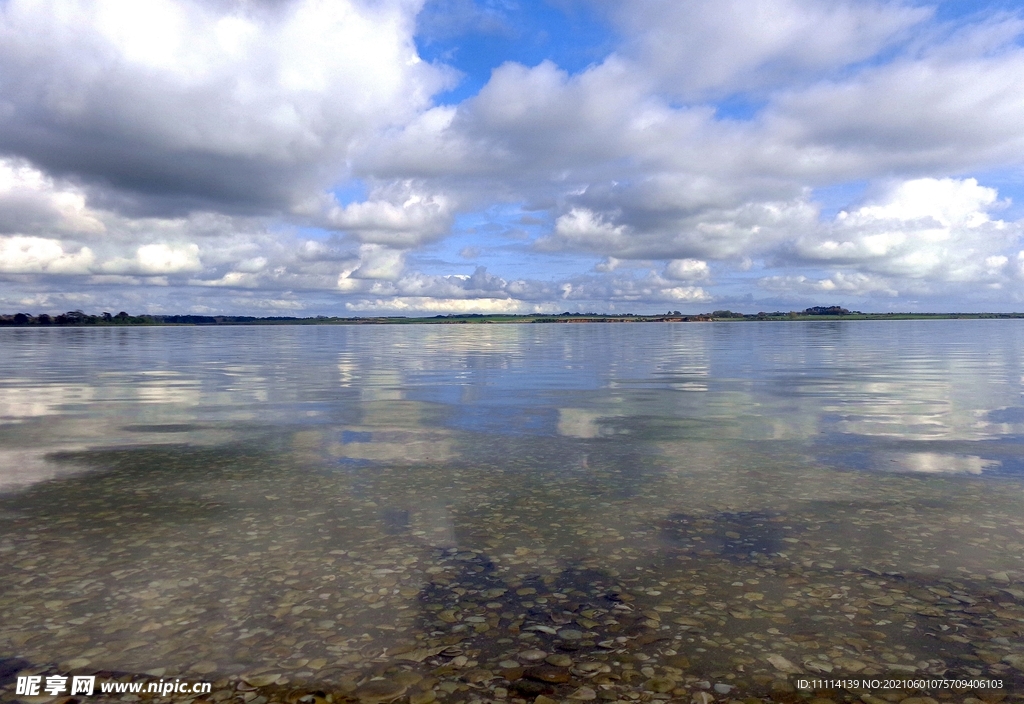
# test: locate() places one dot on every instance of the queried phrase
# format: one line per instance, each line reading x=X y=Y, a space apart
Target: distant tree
x=826 y=310
x=44 y=319
x=21 y=319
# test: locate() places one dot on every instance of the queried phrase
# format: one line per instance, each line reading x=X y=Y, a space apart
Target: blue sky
x=477 y=37
x=511 y=156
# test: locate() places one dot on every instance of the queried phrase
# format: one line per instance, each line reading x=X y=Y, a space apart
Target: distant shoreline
x=831 y=313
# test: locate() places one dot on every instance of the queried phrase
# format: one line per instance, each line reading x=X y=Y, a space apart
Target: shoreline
x=477 y=319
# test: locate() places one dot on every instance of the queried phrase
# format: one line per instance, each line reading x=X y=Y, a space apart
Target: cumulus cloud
x=581 y=226
x=939 y=229
x=157 y=259
x=946 y=113
x=638 y=231
x=377 y=262
x=242 y=104
x=38 y=255
x=32 y=202
x=399 y=216
x=687 y=270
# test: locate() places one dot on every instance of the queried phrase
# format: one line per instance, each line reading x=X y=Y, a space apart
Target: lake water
x=495 y=512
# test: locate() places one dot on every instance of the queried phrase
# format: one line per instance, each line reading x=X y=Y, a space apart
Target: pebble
x=204 y=667
x=782 y=664
x=660 y=684
x=1016 y=660
x=423 y=697
x=477 y=675
x=532 y=655
x=849 y=664
x=408 y=678
x=547 y=673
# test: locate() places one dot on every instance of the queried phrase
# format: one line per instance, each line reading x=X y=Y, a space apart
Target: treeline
x=814 y=310
x=76 y=317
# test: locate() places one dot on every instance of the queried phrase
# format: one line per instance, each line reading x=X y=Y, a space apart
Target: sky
x=409 y=157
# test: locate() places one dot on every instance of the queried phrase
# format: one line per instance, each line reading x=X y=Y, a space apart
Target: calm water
x=414 y=512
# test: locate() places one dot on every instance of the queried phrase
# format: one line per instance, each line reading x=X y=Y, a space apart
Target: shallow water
x=413 y=512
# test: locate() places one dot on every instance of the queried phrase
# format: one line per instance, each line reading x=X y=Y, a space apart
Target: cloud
x=38 y=255
x=687 y=270
x=731 y=45
x=839 y=283
x=935 y=229
x=398 y=217
x=32 y=202
x=242 y=105
x=584 y=227
x=932 y=112
x=643 y=231
x=158 y=260
x=424 y=304
x=377 y=262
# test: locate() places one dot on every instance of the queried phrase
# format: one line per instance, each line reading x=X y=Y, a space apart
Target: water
x=669 y=507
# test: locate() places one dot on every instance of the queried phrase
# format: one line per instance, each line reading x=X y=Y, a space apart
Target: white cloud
x=684 y=294
x=423 y=304
x=377 y=262
x=839 y=283
x=948 y=202
x=649 y=289
x=410 y=219
x=38 y=255
x=158 y=260
x=584 y=227
x=687 y=270
x=935 y=229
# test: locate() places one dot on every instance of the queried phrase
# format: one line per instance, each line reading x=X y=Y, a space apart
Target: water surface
x=664 y=508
